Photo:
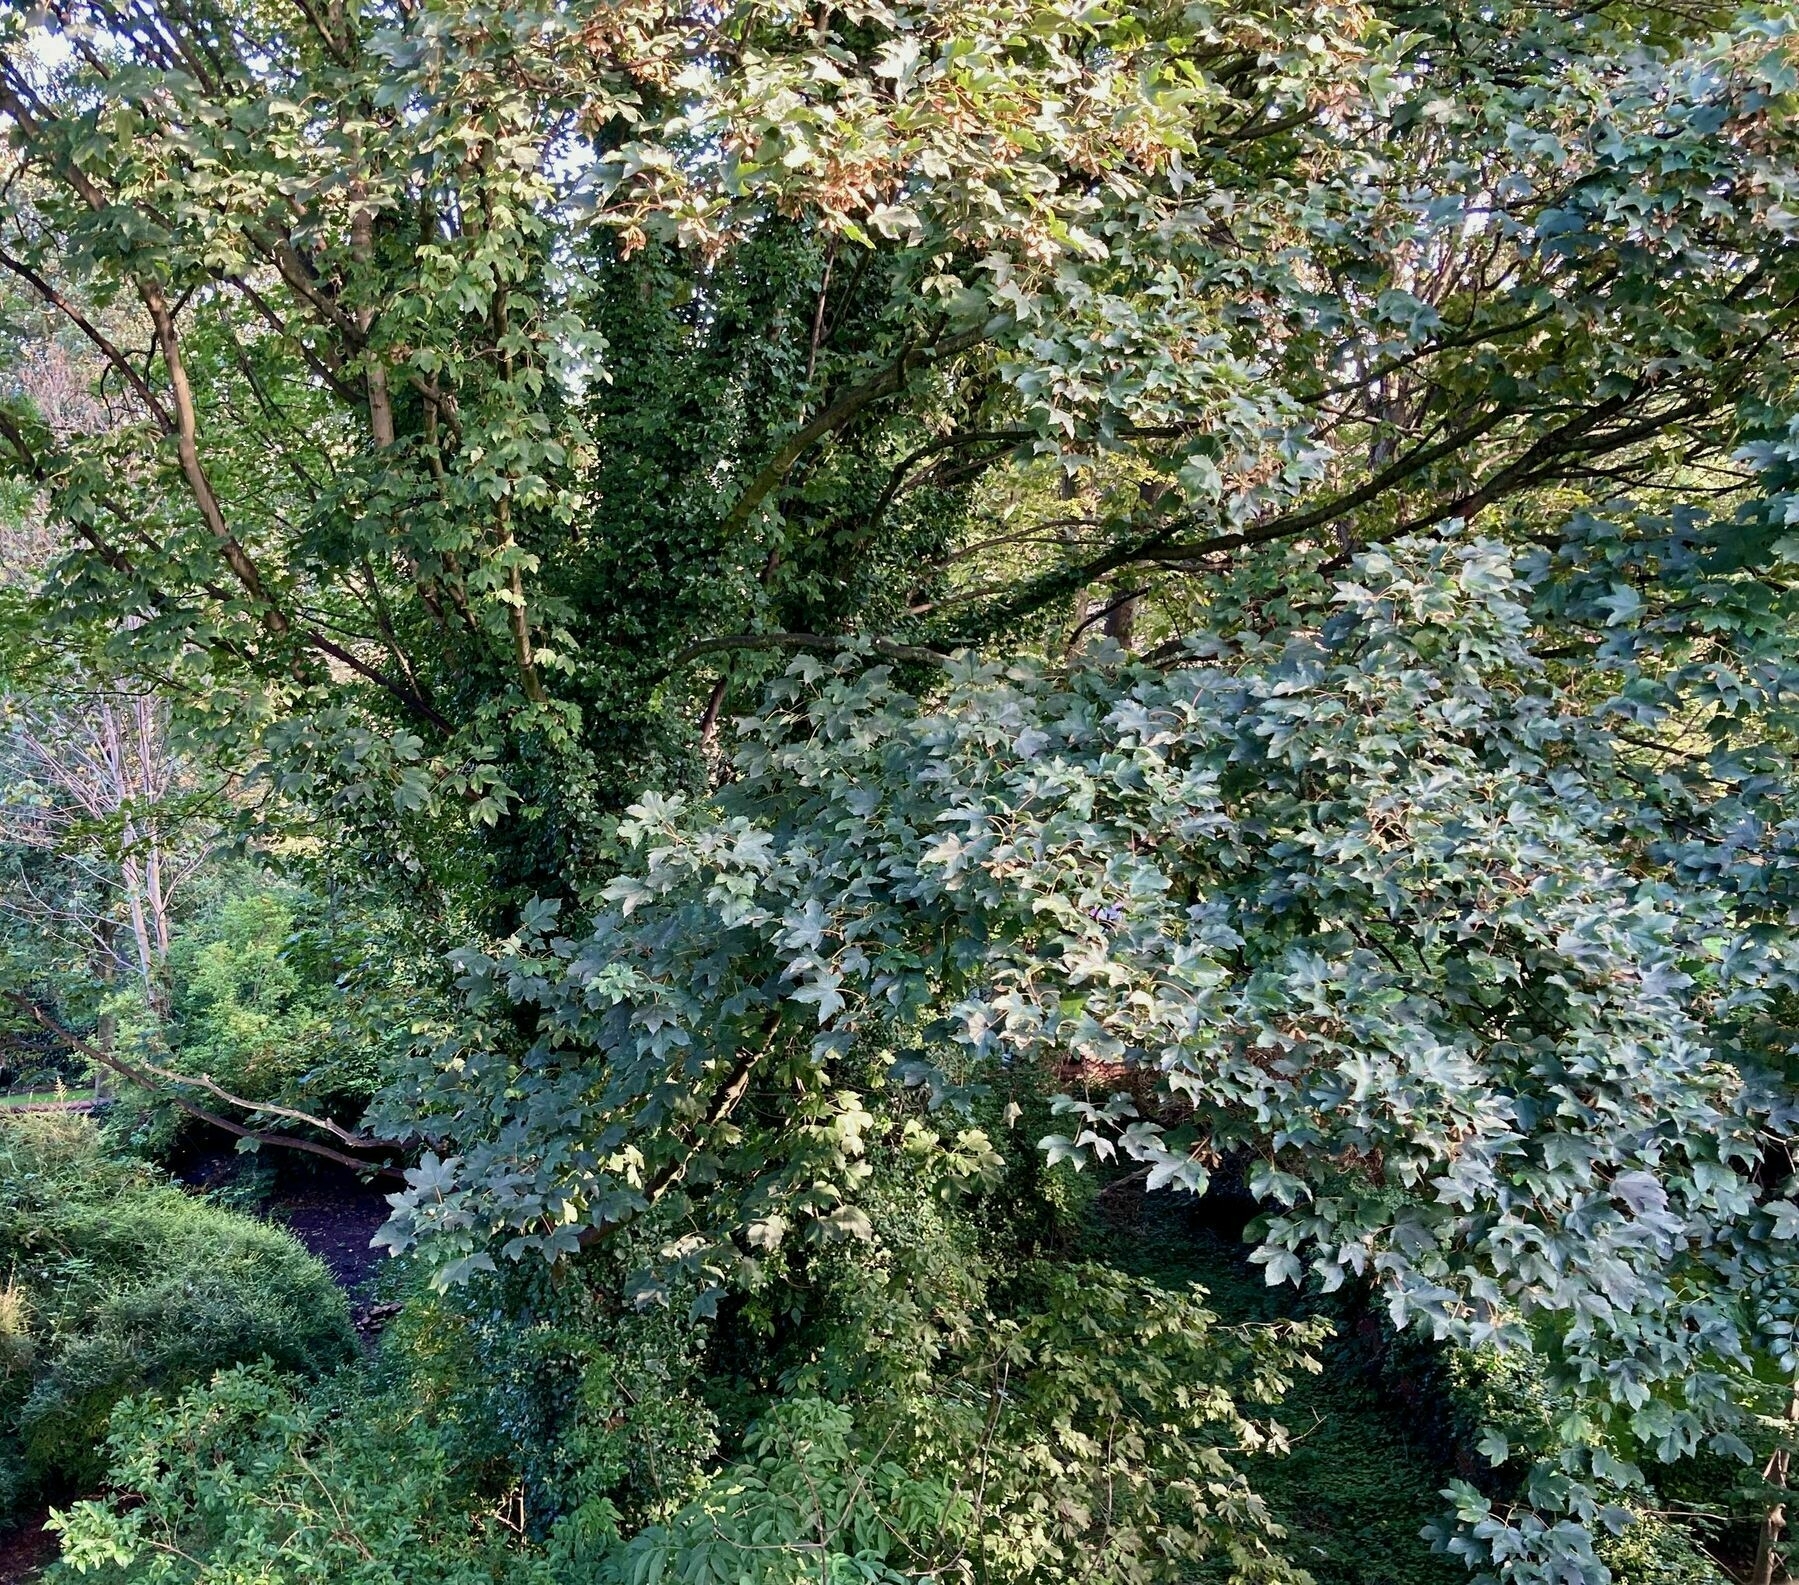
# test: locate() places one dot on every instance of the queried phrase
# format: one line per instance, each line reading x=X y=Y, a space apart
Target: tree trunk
x=1121 y=621
x=147 y=962
x=106 y=1032
x=1774 y=1522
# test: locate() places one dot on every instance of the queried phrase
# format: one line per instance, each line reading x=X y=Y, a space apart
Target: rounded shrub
x=121 y=1284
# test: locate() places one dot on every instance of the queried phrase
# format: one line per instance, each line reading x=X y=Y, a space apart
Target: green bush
x=1657 y=1551
x=120 y=1283
x=1092 y=1432
x=805 y=1503
x=270 y=995
x=250 y=1480
x=952 y=1393
x=242 y=1009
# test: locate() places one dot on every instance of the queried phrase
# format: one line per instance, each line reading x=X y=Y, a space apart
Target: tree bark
x=1767 y=1546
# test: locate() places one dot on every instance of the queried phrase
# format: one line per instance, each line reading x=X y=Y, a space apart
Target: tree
x=91 y=779
x=511 y=374
x=515 y=393
x=1373 y=906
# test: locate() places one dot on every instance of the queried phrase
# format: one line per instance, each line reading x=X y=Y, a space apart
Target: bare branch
x=146 y=1074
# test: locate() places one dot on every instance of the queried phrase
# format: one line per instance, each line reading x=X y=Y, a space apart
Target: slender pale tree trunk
x=106 y=759
x=132 y=876
x=149 y=762
x=149 y=922
x=106 y=1031
x=1774 y=1522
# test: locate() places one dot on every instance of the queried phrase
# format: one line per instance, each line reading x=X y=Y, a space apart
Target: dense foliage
x=511 y=365
x=246 y=1480
x=117 y=1285
x=1376 y=908
x=782 y=634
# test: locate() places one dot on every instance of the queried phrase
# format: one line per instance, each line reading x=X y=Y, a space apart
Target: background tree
x=92 y=780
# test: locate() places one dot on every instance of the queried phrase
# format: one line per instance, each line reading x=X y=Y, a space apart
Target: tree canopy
x=874 y=571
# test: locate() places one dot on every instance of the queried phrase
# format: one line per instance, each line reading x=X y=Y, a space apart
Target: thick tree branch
x=187 y=448
x=149 y=1076
x=837 y=414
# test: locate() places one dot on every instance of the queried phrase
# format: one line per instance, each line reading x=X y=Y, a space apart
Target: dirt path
x=336 y=1221
x=50 y=1106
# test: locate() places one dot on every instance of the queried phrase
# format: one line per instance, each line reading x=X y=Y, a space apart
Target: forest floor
x=26 y=1551
x=336 y=1221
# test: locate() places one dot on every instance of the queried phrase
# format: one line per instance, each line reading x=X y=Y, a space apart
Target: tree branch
x=834 y=416
x=81 y=322
x=145 y=1078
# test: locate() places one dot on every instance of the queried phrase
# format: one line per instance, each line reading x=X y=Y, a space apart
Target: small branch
x=409 y=697
x=818 y=313
x=902 y=470
x=326 y=371
x=820 y=641
x=724 y=1103
x=1102 y=613
x=333 y=46
x=188 y=451
x=1119 y=1184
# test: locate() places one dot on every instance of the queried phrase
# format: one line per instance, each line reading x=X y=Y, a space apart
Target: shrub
x=805 y=1503
x=1095 y=1436
x=251 y=1479
x=120 y=1283
x=265 y=1001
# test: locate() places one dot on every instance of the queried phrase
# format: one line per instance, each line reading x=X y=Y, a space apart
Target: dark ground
x=336 y=1221
x=24 y=1551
